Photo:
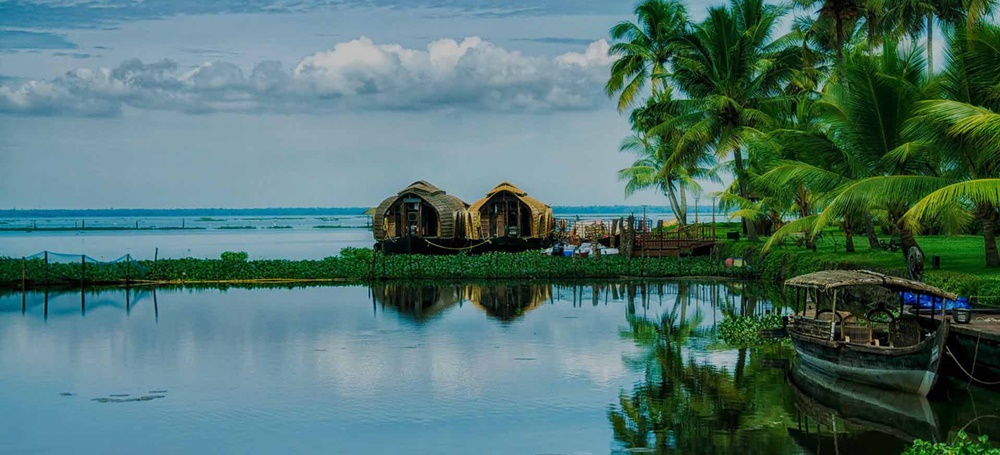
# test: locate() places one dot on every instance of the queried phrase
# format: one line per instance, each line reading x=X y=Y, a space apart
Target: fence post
x=24 y=272
x=46 y=268
x=156 y=257
x=128 y=265
x=83 y=269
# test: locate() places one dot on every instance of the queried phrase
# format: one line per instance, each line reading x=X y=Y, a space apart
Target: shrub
x=235 y=256
x=961 y=446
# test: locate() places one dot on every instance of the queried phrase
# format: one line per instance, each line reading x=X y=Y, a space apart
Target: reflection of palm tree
x=686 y=406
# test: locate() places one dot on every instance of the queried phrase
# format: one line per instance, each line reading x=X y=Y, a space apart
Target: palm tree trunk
x=741 y=183
x=907 y=240
x=930 y=45
x=988 y=215
x=848 y=235
x=682 y=202
x=870 y=230
x=672 y=197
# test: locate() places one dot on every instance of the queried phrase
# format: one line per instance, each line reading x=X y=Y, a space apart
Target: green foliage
x=744 y=331
x=962 y=445
x=235 y=256
x=364 y=265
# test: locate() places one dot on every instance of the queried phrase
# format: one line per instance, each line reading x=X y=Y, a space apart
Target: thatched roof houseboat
x=421 y=218
x=510 y=219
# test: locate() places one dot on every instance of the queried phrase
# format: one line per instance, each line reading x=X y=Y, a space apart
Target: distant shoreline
x=307 y=211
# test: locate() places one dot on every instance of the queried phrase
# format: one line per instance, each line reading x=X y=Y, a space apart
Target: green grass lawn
x=959 y=253
x=963 y=261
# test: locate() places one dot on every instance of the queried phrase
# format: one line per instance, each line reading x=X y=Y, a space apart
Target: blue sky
x=111 y=103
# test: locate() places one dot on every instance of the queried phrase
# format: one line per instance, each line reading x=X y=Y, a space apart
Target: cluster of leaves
x=745 y=330
x=962 y=445
x=360 y=265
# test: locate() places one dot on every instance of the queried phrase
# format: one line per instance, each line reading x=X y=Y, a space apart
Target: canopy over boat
x=533 y=217
x=829 y=280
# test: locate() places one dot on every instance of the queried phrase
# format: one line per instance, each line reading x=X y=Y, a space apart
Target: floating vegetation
x=111 y=399
x=66 y=394
x=357 y=265
x=207 y=218
x=330 y=226
x=279 y=227
x=157 y=391
x=237 y=227
x=328 y=218
x=276 y=218
x=745 y=331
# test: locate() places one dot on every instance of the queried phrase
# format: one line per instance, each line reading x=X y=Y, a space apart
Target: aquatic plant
x=963 y=445
x=745 y=330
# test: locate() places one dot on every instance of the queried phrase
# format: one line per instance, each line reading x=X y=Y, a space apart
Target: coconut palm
x=835 y=19
x=660 y=164
x=868 y=115
x=731 y=67
x=966 y=127
x=643 y=49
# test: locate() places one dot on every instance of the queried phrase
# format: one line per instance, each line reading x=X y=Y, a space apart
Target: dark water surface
x=521 y=369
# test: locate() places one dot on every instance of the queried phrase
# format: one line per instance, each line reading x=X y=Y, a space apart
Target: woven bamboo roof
x=423 y=188
x=450 y=208
x=828 y=280
x=536 y=206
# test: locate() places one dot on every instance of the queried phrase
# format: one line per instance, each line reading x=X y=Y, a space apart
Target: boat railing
x=817 y=328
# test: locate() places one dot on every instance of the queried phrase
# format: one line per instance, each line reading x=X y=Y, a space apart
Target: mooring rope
x=975 y=358
x=458 y=249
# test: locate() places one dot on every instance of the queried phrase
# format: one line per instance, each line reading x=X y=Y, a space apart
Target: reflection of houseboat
x=876 y=348
x=508 y=302
x=509 y=220
x=420 y=219
x=418 y=301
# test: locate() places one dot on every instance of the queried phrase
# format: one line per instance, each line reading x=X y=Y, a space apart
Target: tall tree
x=731 y=67
x=965 y=127
x=643 y=49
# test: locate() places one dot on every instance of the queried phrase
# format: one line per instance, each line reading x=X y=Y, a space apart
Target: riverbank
x=354 y=265
x=962 y=268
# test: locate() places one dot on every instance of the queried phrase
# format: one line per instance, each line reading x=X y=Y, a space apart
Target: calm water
x=521 y=369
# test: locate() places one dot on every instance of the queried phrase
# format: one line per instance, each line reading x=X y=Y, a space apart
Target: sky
x=311 y=103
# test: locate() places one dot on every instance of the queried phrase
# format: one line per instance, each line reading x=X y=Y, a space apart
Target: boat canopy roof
x=828 y=280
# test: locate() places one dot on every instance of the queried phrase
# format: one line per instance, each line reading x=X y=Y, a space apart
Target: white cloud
x=359 y=74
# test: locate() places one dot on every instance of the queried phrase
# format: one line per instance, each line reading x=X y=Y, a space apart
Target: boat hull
x=973 y=352
x=419 y=245
x=912 y=369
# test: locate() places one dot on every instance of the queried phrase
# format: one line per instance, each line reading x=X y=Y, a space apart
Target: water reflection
x=522 y=367
x=836 y=416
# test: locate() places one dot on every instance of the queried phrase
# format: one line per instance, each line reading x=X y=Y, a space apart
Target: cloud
x=360 y=74
x=80 y=55
x=64 y=14
x=557 y=40
x=14 y=40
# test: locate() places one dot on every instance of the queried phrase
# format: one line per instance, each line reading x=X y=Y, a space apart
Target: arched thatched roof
x=541 y=213
x=451 y=210
x=828 y=280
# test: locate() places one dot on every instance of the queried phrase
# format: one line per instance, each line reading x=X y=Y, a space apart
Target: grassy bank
x=354 y=265
x=962 y=271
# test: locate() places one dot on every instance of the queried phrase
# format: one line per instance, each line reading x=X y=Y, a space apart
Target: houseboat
x=874 y=347
x=507 y=219
x=420 y=219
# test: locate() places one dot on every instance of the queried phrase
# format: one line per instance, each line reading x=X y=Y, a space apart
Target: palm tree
x=644 y=49
x=867 y=118
x=660 y=164
x=731 y=69
x=844 y=16
x=966 y=126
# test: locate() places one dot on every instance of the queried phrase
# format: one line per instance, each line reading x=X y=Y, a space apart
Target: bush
x=235 y=256
x=961 y=446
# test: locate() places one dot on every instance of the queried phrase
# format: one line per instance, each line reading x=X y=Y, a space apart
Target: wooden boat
x=420 y=219
x=507 y=219
x=973 y=347
x=896 y=355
